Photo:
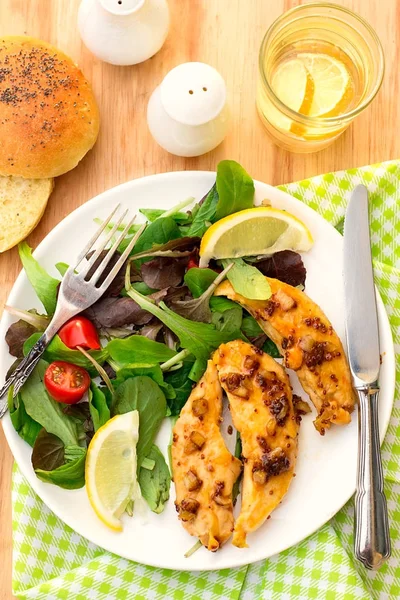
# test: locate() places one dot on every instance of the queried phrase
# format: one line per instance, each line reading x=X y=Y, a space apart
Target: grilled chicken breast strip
x=309 y=345
x=204 y=471
x=260 y=398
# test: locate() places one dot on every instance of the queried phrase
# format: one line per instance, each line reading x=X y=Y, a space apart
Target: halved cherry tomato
x=66 y=382
x=79 y=331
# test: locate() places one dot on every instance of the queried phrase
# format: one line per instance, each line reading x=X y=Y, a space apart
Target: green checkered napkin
x=51 y=561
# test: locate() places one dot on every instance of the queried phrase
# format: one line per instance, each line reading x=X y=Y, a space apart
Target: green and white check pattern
x=52 y=562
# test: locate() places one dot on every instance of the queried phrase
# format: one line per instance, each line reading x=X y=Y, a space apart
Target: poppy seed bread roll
x=49 y=118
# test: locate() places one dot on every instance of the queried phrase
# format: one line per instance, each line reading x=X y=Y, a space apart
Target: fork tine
x=103 y=265
x=118 y=265
x=94 y=238
x=92 y=260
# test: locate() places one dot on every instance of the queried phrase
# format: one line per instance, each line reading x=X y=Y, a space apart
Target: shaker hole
x=119 y=1
x=190 y=91
x=204 y=89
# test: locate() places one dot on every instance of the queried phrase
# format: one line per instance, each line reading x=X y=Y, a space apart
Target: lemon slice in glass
x=332 y=84
x=261 y=230
x=293 y=85
x=111 y=468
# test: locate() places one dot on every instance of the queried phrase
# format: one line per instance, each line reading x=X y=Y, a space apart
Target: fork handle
x=27 y=364
x=372 y=537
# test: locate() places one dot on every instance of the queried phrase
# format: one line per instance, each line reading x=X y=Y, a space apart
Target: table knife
x=371 y=535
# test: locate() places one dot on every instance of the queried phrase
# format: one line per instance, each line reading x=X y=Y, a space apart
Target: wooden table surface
x=226 y=34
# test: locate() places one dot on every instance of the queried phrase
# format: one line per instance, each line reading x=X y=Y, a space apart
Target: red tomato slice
x=79 y=331
x=66 y=382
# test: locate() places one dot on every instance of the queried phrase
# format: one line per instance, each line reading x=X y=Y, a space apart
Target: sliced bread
x=22 y=204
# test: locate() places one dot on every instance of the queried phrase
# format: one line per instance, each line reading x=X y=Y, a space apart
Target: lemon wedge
x=261 y=230
x=331 y=81
x=111 y=468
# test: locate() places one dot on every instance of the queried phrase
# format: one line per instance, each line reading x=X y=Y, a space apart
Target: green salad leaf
x=247 y=280
x=250 y=327
x=235 y=188
x=269 y=347
x=155 y=483
x=138 y=349
x=197 y=371
x=151 y=370
x=221 y=304
x=160 y=231
x=227 y=316
x=57 y=350
x=204 y=214
x=70 y=475
x=44 y=285
x=144 y=395
x=73 y=452
x=182 y=385
x=46 y=411
x=228 y=320
x=24 y=425
x=199 y=280
x=99 y=410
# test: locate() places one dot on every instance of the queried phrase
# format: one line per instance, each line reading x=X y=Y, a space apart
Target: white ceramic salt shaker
x=188 y=114
x=123 y=32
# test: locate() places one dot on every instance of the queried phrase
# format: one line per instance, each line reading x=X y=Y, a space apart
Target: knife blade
x=371 y=537
x=360 y=311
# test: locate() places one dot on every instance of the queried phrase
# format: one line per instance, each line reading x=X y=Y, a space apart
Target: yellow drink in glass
x=320 y=66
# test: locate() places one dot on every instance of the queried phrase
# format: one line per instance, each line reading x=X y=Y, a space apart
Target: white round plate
x=326 y=466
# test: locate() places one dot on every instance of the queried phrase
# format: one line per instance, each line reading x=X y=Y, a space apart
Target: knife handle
x=372 y=537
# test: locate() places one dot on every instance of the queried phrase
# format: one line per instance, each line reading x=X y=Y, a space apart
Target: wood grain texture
x=226 y=34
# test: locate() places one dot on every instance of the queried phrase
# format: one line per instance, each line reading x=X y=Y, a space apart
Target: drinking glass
x=325 y=32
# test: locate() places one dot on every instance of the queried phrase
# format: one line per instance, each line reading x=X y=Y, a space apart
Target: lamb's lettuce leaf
x=247 y=280
x=235 y=189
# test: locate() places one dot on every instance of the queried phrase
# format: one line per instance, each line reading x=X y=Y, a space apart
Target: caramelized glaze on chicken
x=260 y=399
x=309 y=345
x=204 y=471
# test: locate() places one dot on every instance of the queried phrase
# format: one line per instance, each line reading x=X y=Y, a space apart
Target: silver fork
x=78 y=291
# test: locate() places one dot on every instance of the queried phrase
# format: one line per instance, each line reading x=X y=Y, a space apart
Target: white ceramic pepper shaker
x=123 y=32
x=187 y=113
